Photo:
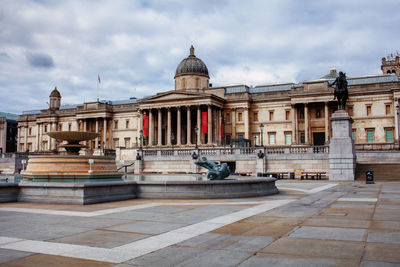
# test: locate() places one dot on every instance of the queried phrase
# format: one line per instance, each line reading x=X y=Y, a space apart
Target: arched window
x=393 y=71
x=197 y=83
x=388 y=72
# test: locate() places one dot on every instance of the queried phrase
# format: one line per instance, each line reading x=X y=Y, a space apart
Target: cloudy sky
x=135 y=46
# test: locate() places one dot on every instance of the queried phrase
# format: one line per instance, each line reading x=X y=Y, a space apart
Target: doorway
x=319 y=139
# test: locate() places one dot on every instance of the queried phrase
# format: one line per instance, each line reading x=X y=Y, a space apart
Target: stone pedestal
x=342 y=155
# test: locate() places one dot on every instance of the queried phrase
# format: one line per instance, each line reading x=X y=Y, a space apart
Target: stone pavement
x=309 y=223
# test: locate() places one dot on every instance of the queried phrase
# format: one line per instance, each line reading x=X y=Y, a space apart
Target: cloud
x=39 y=60
x=138 y=44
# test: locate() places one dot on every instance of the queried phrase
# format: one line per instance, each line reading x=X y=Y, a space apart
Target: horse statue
x=341 y=93
x=215 y=171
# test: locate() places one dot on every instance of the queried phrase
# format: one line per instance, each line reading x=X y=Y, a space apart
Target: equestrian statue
x=341 y=93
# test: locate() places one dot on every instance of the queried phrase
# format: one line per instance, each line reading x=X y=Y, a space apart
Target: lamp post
x=195 y=132
x=262 y=136
x=141 y=140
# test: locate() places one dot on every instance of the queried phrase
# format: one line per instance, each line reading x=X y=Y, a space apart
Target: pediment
x=174 y=96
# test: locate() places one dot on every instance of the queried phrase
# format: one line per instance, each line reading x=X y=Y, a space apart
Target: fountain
x=72 y=178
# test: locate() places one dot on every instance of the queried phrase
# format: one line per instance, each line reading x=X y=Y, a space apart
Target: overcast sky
x=135 y=46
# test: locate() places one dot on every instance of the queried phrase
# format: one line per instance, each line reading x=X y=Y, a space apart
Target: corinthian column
x=159 y=118
x=179 y=126
x=209 y=125
x=188 y=126
x=169 y=127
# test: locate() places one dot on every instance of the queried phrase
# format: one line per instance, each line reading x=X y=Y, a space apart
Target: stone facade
x=198 y=114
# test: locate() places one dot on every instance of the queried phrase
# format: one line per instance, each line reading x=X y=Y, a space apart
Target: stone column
x=151 y=128
x=38 y=137
x=159 y=141
x=294 y=124
x=220 y=114
x=306 y=124
x=105 y=133
x=26 y=138
x=396 y=120
x=326 y=123
x=97 y=131
x=140 y=121
x=246 y=123
x=188 y=126
x=169 y=127
x=209 y=125
x=198 y=125
x=233 y=123
x=179 y=126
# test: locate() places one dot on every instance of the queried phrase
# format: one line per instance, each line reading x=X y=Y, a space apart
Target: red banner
x=222 y=130
x=204 y=122
x=145 y=125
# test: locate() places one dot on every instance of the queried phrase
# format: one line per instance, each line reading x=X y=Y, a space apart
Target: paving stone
x=387 y=207
x=378 y=264
x=343 y=205
x=236 y=228
x=384 y=237
x=7 y=255
x=262 y=259
x=329 y=233
x=170 y=256
x=333 y=222
x=272 y=229
x=59 y=261
x=145 y=227
x=389 y=214
x=216 y=258
x=385 y=225
x=316 y=248
x=101 y=238
x=382 y=252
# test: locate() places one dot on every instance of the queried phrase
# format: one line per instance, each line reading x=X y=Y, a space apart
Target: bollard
x=369 y=177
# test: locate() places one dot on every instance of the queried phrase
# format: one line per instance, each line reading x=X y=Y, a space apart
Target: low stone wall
x=8 y=192
x=207 y=189
x=76 y=193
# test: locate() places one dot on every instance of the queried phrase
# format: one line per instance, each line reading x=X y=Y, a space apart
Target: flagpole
x=98 y=86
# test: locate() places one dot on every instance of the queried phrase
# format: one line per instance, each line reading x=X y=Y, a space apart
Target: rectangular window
x=370 y=135
x=389 y=135
x=60 y=127
x=318 y=113
x=271 y=115
x=255 y=137
x=368 y=110
x=127 y=124
x=45 y=128
x=350 y=110
x=227 y=139
x=69 y=127
x=30 y=146
x=228 y=117
x=30 y=131
x=116 y=142
x=271 y=138
x=115 y=124
x=287 y=115
x=127 y=142
x=387 y=109
x=353 y=135
x=44 y=145
x=288 y=138
x=255 y=116
x=302 y=138
x=240 y=116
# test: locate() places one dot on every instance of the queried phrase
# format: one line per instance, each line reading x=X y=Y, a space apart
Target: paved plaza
x=310 y=223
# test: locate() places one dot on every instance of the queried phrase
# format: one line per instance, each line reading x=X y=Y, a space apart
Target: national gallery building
x=196 y=113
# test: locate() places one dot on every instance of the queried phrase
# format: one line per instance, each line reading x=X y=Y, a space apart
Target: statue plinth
x=342 y=155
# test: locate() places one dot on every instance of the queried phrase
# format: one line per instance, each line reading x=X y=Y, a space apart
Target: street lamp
x=141 y=139
x=262 y=136
x=195 y=132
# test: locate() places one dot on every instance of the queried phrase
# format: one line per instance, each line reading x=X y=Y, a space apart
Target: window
x=271 y=138
x=69 y=127
x=302 y=114
x=288 y=138
x=255 y=116
x=44 y=145
x=350 y=110
x=30 y=146
x=60 y=127
x=127 y=142
x=30 y=131
x=287 y=115
x=127 y=124
x=387 y=109
x=227 y=139
x=389 y=135
x=115 y=124
x=45 y=128
x=302 y=138
x=318 y=113
x=240 y=116
x=240 y=136
x=228 y=117
x=353 y=134
x=255 y=137
x=197 y=83
x=116 y=142
x=370 y=135
x=271 y=115
x=368 y=110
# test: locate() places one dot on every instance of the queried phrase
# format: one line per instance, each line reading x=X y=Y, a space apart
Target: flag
x=222 y=130
x=204 y=122
x=98 y=78
x=146 y=125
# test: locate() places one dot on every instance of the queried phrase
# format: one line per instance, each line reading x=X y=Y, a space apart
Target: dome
x=192 y=65
x=55 y=93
